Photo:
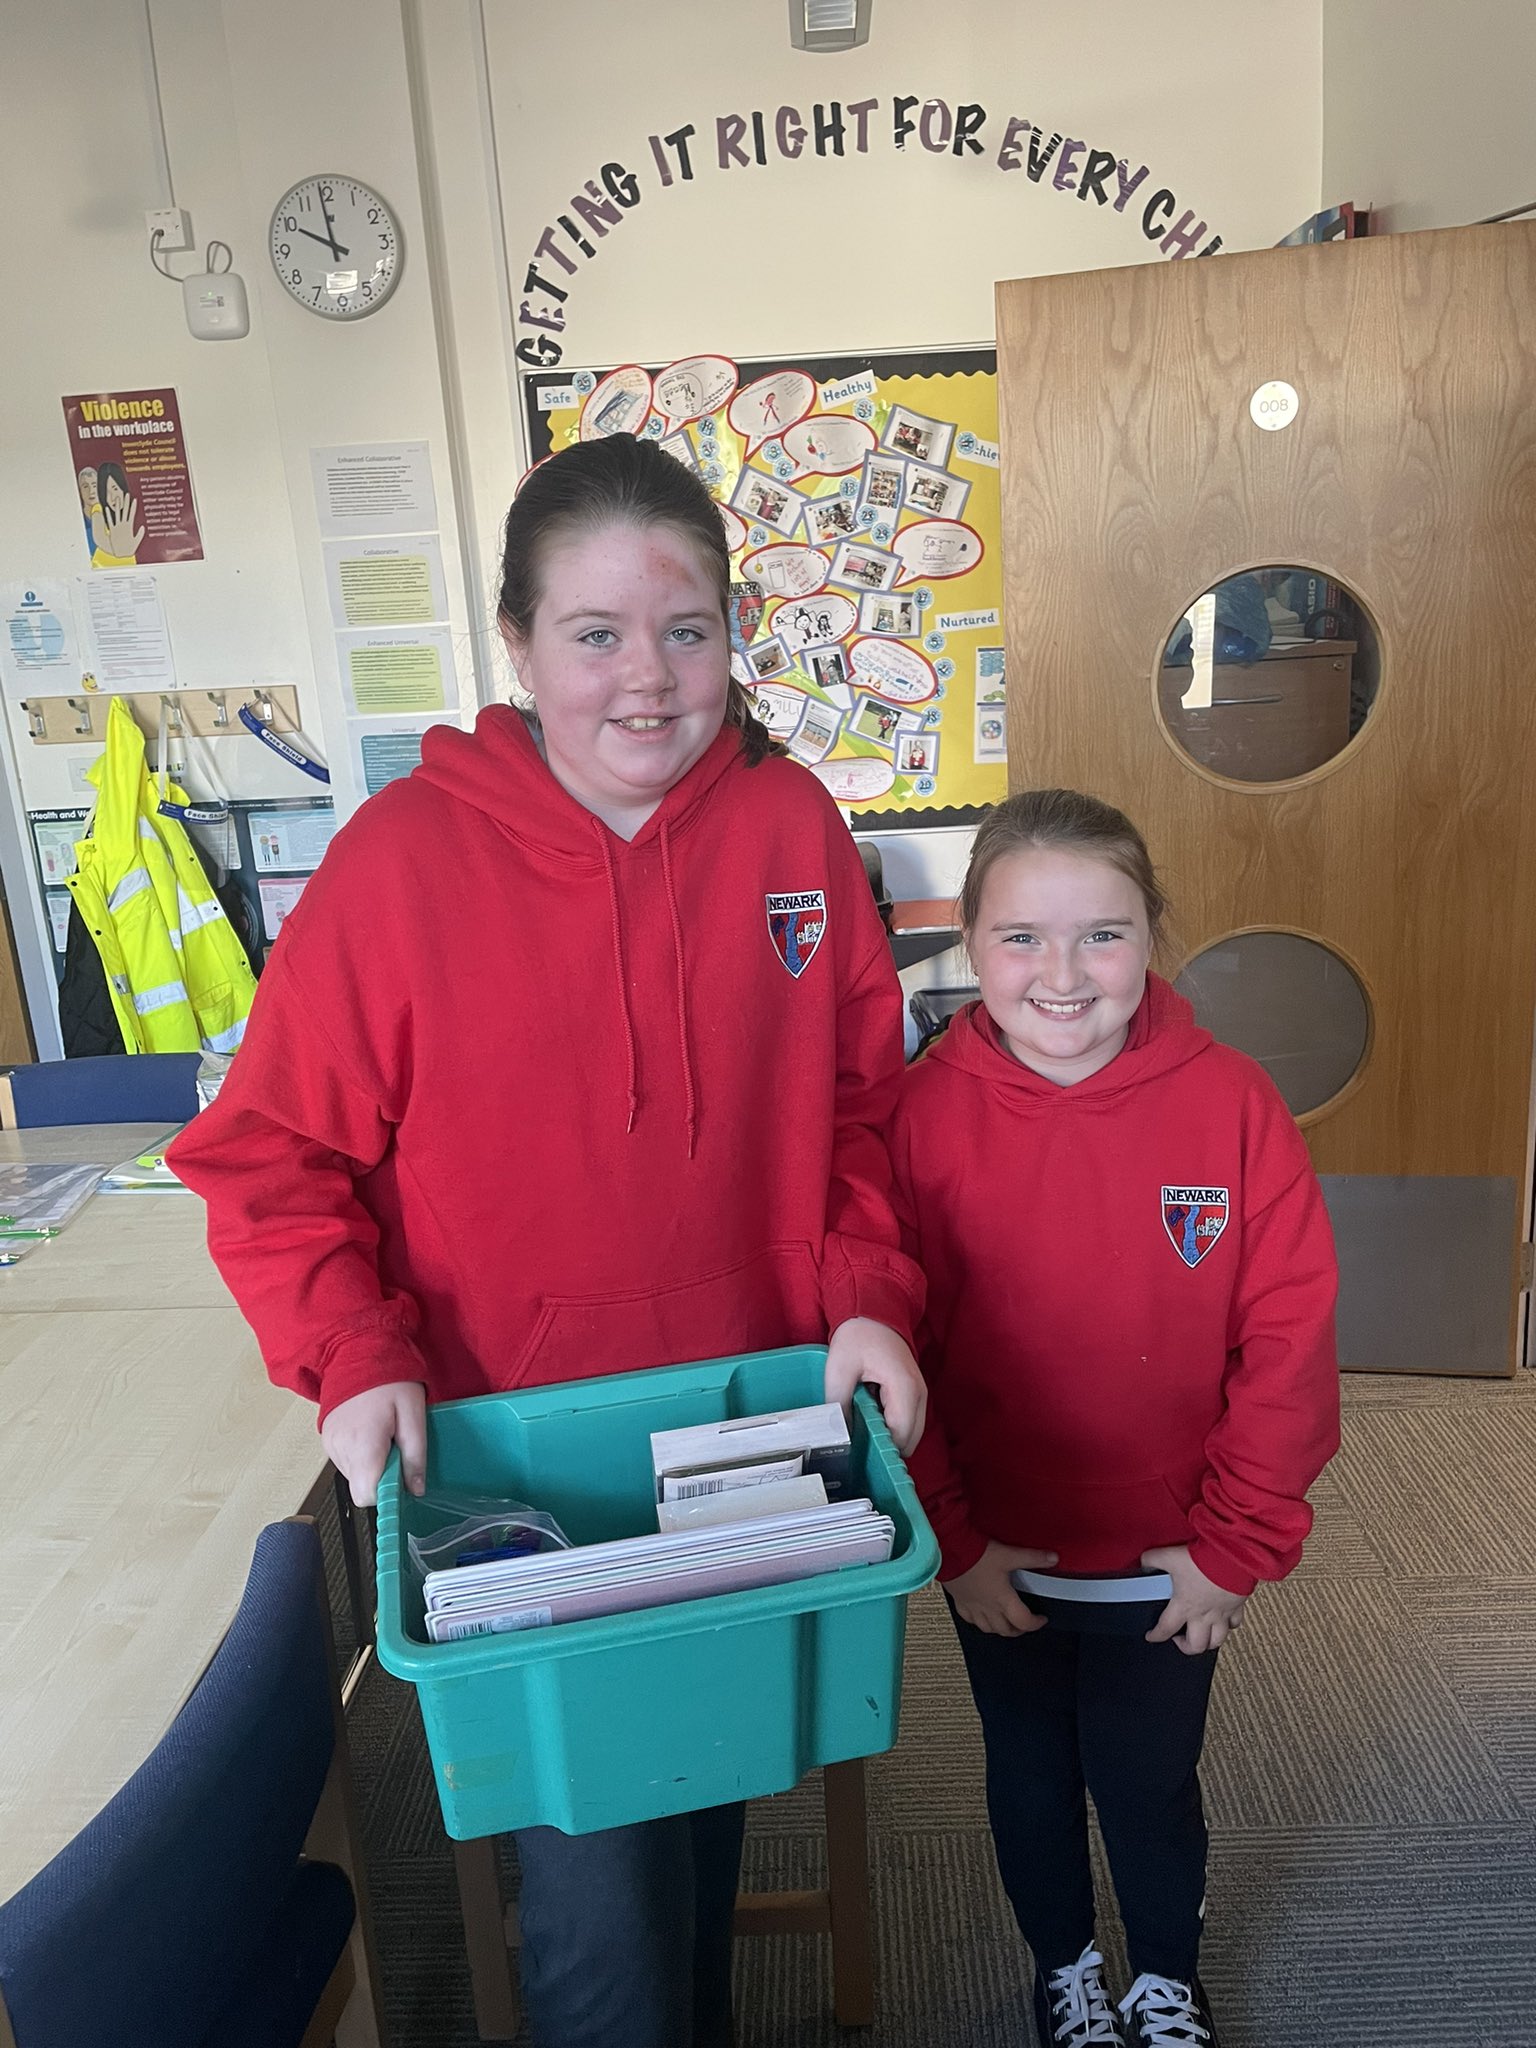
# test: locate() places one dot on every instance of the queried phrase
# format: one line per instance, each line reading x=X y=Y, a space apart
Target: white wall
x=889 y=248
x=254 y=97
x=1428 y=109
x=79 y=141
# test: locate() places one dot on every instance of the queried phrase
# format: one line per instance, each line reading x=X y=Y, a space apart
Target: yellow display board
x=860 y=498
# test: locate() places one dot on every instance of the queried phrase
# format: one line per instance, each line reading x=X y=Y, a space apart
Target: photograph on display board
x=919 y=439
x=817 y=733
x=862 y=568
x=829 y=667
x=883 y=487
x=830 y=520
x=917 y=753
x=768 y=658
x=892 y=613
x=764 y=499
x=935 y=493
x=873 y=719
x=886 y=467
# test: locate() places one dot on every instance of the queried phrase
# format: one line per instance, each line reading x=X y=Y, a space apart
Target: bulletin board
x=860 y=497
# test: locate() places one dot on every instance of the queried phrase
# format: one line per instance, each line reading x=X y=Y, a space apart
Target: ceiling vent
x=828 y=24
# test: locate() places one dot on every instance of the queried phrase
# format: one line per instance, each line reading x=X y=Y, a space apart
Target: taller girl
x=1130 y=1353
x=577 y=1057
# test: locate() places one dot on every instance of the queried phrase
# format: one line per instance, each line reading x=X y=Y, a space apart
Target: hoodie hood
x=499 y=770
x=1163 y=1036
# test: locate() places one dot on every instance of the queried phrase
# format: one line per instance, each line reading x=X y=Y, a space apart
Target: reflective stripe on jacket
x=177 y=974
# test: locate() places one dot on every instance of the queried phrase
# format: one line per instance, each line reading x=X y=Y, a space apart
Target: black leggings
x=1124 y=1718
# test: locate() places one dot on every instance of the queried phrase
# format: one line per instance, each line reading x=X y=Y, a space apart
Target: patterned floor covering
x=1370 y=1777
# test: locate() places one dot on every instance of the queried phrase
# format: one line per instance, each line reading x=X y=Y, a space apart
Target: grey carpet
x=1370 y=1775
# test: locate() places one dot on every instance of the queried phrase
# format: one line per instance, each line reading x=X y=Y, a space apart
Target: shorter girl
x=1130 y=1355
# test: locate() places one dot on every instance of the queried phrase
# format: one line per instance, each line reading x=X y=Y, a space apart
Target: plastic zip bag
x=473 y=1529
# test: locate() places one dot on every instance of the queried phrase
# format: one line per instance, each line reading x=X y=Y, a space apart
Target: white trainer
x=1072 y=2008
x=1165 y=2012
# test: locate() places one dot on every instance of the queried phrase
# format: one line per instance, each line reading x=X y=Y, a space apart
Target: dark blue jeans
x=627 y=1933
x=1124 y=1718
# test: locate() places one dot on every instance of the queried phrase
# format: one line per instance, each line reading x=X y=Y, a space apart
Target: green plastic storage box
x=628 y=1717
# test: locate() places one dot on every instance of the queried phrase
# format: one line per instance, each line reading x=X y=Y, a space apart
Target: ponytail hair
x=617 y=481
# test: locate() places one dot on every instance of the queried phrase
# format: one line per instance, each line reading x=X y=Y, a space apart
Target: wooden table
x=142 y=1450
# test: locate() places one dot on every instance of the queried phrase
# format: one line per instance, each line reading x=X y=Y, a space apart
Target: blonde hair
x=1076 y=823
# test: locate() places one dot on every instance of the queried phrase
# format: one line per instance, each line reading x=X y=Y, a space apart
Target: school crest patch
x=797 y=918
x=1194 y=1218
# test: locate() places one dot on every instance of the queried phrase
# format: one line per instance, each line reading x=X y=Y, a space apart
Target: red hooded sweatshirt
x=1129 y=1337
x=521 y=1101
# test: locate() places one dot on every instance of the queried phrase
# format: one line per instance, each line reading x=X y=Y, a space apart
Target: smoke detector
x=828 y=24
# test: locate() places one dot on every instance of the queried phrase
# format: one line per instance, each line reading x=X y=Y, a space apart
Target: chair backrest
x=139 y=1928
x=122 y=1088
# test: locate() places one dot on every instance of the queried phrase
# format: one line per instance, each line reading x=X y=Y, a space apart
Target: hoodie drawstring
x=616 y=925
x=619 y=974
x=690 y=1090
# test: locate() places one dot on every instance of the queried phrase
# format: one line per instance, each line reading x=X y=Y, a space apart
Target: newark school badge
x=796 y=921
x=1194 y=1218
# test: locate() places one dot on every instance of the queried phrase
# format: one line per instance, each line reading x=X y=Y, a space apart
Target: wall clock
x=335 y=246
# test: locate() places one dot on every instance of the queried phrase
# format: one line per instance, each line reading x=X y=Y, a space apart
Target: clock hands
x=327 y=241
x=330 y=224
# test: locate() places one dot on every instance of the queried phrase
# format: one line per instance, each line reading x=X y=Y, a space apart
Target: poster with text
x=861 y=502
x=131 y=479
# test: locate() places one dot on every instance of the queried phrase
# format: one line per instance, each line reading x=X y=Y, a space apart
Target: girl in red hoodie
x=1130 y=1356
x=578 y=1057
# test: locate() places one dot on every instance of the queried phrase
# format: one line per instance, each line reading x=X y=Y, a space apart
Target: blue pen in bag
x=523 y=1545
x=477 y=1531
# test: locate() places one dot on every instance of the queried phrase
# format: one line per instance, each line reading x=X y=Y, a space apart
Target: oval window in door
x=1269 y=675
x=1288 y=1001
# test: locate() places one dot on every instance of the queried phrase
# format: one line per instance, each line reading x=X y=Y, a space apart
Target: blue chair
x=184 y=1915
x=122 y=1088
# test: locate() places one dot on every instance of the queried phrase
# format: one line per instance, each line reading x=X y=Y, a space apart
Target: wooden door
x=1134 y=480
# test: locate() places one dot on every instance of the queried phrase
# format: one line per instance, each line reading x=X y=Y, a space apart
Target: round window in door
x=1269 y=675
x=1289 y=1002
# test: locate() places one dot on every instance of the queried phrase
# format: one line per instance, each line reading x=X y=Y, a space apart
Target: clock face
x=335 y=246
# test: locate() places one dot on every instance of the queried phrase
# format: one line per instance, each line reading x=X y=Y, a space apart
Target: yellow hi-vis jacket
x=178 y=976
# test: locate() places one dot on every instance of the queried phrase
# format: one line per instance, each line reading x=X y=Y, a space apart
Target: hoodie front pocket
x=768 y=1298
x=1118 y=1518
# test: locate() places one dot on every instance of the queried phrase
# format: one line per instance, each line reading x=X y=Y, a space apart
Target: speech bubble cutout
x=937 y=548
x=620 y=403
x=827 y=444
x=735 y=527
x=788 y=571
x=802 y=622
x=688 y=389
x=856 y=782
x=890 y=670
x=764 y=411
x=779 y=707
